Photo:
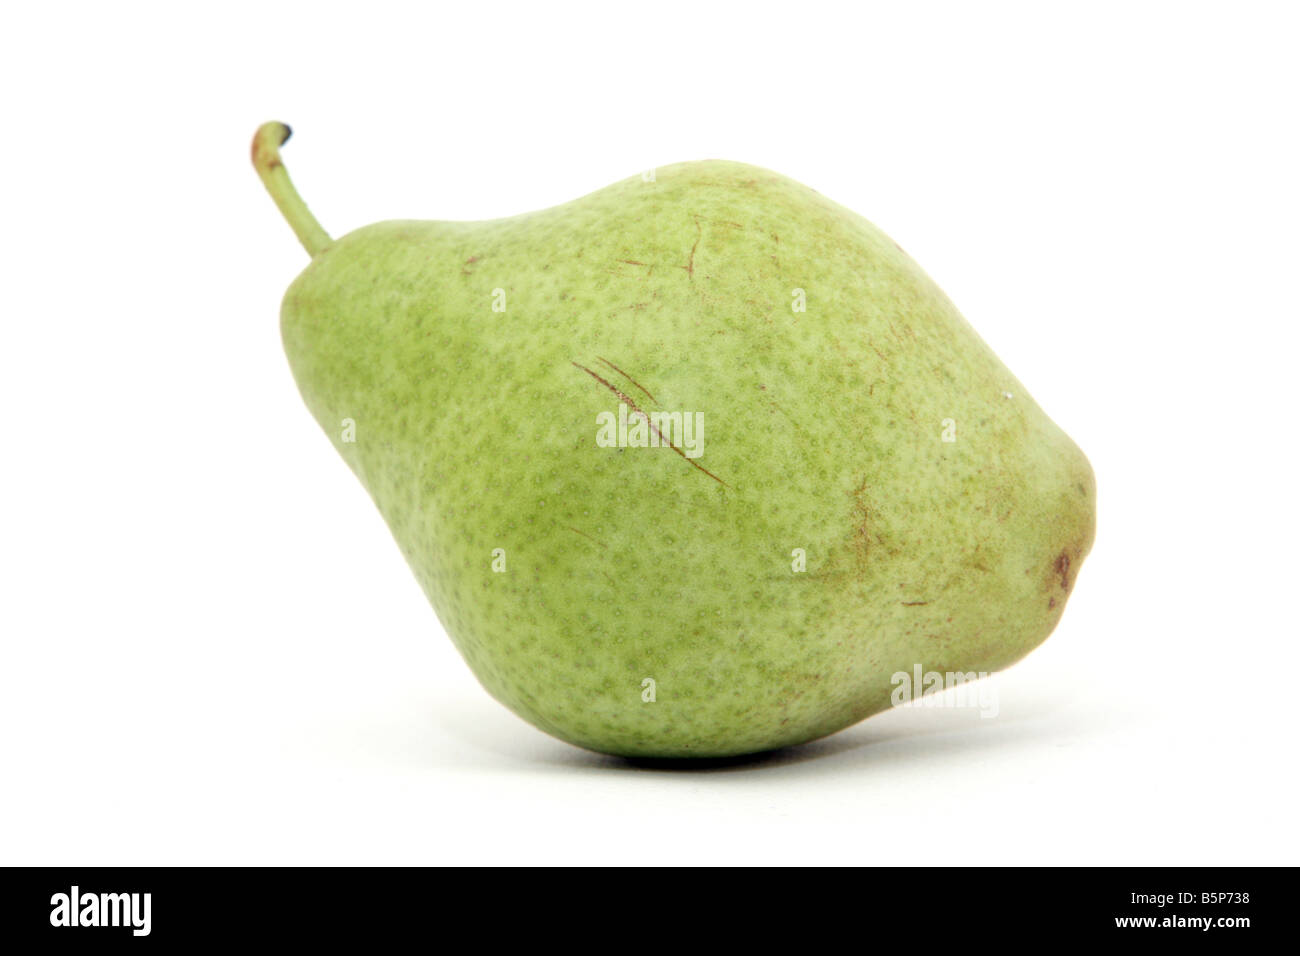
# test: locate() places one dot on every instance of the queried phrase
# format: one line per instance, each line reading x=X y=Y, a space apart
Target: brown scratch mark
x=699 y=234
x=585 y=535
x=1062 y=567
x=1051 y=603
x=663 y=443
x=638 y=306
x=629 y=378
x=471 y=259
x=794 y=422
x=913 y=603
x=631 y=262
x=864 y=536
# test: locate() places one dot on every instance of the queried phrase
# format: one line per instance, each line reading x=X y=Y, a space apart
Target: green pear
x=698 y=465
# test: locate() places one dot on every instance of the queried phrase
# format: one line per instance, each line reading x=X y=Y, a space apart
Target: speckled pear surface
x=876 y=490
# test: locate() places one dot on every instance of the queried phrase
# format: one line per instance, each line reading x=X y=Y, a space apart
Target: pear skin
x=869 y=488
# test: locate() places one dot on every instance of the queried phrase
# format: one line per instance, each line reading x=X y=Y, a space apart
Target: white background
x=212 y=649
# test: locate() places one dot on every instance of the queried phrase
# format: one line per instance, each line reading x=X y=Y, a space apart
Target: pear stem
x=266 y=160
